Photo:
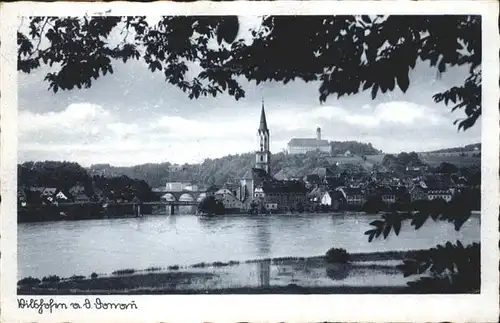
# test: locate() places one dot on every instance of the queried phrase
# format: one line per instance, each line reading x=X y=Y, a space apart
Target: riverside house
x=282 y=195
x=49 y=192
x=353 y=196
x=60 y=196
x=418 y=192
x=331 y=199
x=81 y=198
x=48 y=195
x=444 y=194
x=387 y=195
x=228 y=199
x=22 y=197
x=312 y=180
x=315 y=195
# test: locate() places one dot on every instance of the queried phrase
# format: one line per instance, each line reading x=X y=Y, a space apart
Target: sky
x=134 y=117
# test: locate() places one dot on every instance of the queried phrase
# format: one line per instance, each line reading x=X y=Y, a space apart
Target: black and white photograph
x=262 y=153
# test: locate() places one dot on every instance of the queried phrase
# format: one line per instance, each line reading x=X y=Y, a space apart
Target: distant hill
x=465 y=148
x=212 y=171
x=234 y=167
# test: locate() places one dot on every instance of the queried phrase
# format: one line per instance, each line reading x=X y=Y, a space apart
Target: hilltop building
x=304 y=145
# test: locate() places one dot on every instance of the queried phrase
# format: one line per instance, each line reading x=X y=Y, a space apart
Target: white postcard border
x=232 y=308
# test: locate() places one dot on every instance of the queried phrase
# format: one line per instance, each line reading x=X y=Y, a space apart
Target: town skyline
x=242 y=135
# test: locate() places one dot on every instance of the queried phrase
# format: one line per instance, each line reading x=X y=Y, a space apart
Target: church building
x=263 y=155
x=259 y=187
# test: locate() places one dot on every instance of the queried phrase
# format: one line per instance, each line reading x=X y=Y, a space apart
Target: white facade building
x=446 y=195
x=304 y=145
x=177 y=186
x=326 y=199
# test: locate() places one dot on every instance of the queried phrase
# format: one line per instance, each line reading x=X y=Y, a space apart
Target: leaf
x=419 y=220
x=397 y=226
x=387 y=230
x=435 y=215
x=374 y=91
x=403 y=82
x=467 y=123
x=377 y=223
x=369 y=232
x=442 y=66
x=228 y=29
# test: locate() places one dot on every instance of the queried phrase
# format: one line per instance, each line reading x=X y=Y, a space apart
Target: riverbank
x=96 y=211
x=365 y=273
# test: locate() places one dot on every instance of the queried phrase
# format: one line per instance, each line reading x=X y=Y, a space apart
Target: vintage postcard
x=236 y=161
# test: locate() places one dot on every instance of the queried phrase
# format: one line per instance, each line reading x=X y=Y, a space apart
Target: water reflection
x=263 y=239
x=264 y=271
x=209 y=223
x=172 y=219
x=337 y=271
x=263 y=242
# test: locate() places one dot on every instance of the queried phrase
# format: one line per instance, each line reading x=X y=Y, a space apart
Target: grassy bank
x=290 y=289
x=195 y=278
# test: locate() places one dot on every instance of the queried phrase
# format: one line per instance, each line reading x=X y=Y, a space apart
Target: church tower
x=263 y=155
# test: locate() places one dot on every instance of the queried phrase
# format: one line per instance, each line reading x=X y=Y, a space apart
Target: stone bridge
x=181 y=196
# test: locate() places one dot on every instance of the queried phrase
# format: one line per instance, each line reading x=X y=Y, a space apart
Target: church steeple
x=263 y=155
x=263 y=122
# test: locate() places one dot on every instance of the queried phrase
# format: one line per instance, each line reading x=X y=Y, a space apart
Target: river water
x=103 y=246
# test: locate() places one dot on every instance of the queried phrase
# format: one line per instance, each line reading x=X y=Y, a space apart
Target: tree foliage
x=373 y=204
x=210 y=206
x=62 y=175
x=451 y=268
x=65 y=175
x=344 y=54
x=399 y=162
x=447 y=168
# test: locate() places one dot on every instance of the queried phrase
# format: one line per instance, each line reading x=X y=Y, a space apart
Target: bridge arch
x=186 y=197
x=168 y=197
x=201 y=196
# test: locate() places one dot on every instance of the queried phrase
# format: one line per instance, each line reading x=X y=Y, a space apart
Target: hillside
x=459 y=161
x=465 y=148
x=234 y=167
x=220 y=170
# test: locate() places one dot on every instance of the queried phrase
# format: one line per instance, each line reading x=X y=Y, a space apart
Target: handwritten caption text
x=43 y=305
